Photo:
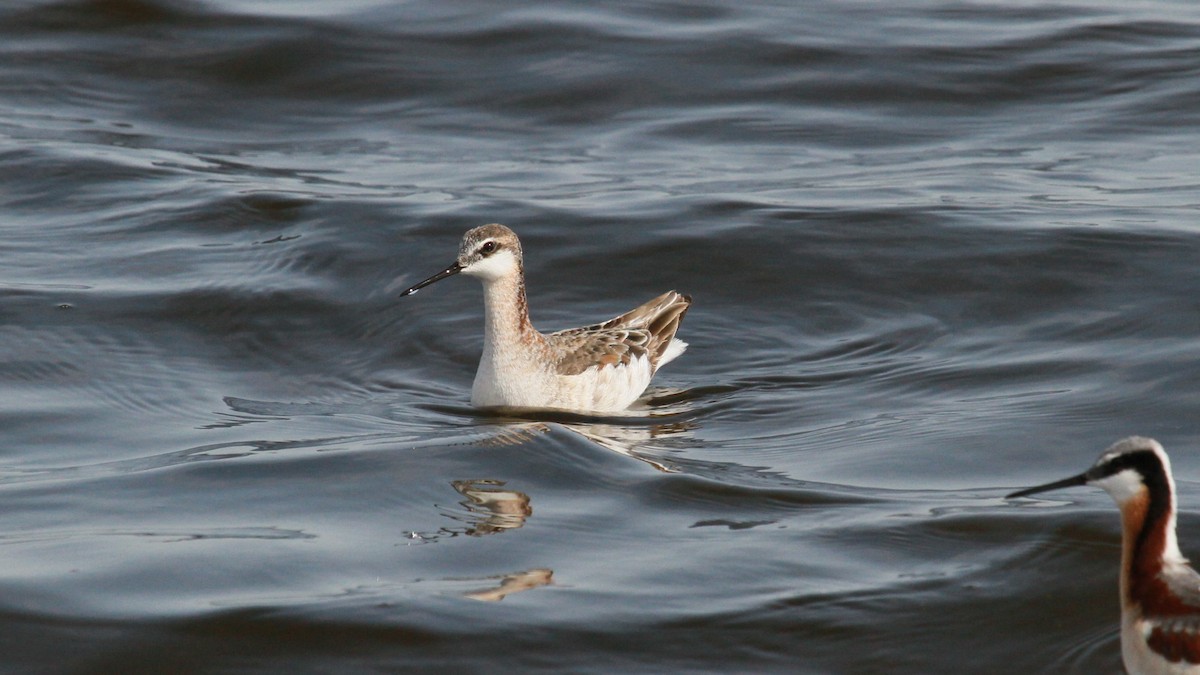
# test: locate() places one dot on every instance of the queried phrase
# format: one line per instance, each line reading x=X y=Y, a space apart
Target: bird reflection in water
x=491 y=508
x=627 y=441
x=631 y=440
x=514 y=583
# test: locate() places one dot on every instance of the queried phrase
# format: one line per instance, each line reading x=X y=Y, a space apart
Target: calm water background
x=937 y=250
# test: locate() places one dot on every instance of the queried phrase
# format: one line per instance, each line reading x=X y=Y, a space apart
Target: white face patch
x=1122 y=486
x=500 y=264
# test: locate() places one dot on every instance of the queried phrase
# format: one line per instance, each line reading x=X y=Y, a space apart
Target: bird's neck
x=1149 y=551
x=506 y=314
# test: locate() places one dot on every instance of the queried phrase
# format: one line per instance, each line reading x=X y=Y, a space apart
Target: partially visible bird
x=1160 y=592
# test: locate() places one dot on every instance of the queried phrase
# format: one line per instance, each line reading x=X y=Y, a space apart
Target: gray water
x=937 y=251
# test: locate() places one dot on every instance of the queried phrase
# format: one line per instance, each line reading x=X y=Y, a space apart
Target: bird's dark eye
x=488 y=247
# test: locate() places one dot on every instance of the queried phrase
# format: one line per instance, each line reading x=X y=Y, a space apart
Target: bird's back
x=646 y=332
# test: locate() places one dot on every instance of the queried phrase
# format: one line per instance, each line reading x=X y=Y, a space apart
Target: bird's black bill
x=1073 y=481
x=448 y=272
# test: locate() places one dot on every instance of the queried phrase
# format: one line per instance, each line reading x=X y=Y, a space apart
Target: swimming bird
x=1160 y=592
x=595 y=369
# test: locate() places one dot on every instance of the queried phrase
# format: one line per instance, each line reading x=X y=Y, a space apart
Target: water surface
x=937 y=251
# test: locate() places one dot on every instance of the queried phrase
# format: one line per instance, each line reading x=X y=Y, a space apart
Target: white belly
x=532 y=385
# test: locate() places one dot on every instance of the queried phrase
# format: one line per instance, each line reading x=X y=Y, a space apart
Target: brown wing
x=1176 y=639
x=646 y=329
x=1171 y=614
x=643 y=316
x=581 y=348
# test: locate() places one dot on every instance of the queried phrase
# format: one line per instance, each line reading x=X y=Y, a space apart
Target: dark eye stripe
x=1142 y=461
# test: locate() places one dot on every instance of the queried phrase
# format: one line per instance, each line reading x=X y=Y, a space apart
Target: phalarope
x=1160 y=592
x=594 y=369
